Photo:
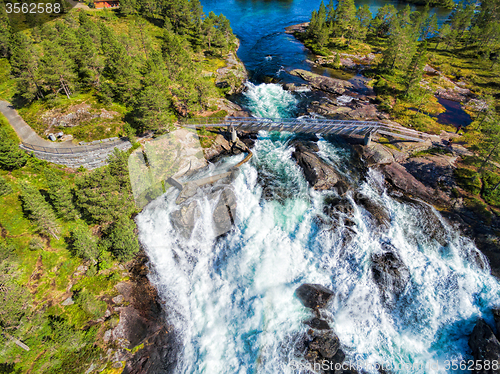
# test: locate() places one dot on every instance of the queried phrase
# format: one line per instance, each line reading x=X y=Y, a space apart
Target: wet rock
x=335 y=206
x=320 y=175
x=224 y=212
x=314 y=296
x=159 y=355
x=378 y=212
x=389 y=273
x=299 y=28
x=189 y=190
x=326 y=345
x=496 y=317
x=318 y=324
x=484 y=344
x=219 y=148
x=185 y=217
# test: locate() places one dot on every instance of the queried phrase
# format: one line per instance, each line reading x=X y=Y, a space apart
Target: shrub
x=469 y=180
x=83 y=244
x=90 y=304
x=5 y=187
x=11 y=157
x=491 y=190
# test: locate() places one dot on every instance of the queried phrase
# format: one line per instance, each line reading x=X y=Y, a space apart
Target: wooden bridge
x=311 y=126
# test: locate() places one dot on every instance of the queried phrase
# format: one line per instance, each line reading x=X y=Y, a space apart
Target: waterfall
x=231 y=299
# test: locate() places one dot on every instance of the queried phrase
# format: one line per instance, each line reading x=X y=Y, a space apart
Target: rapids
x=231 y=299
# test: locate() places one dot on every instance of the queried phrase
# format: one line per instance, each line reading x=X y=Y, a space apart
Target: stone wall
x=89 y=160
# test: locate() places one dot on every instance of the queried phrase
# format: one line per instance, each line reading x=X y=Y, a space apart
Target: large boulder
x=184 y=218
x=389 y=273
x=484 y=345
x=225 y=211
x=314 y=296
x=377 y=211
x=326 y=344
x=319 y=174
x=375 y=154
x=318 y=324
x=401 y=179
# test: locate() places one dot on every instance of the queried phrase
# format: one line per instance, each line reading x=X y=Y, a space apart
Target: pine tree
x=84 y=244
x=402 y=42
x=61 y=196
x=39 y=211
x=381 y=24
x=58 y=69
x=444 y=34
x=128 y=7
x=5 y=33
x=121 y=69
x=105 y=194
x=154 y=104
x=345 y=19
x=429 y=27
x=416 y=68
x=11 y=157
x=89 y=60
x=24 y=62
x=124 y=243
x=364 y=17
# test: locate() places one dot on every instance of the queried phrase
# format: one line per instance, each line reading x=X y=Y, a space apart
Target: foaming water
x=269 y=100
x=231 y=299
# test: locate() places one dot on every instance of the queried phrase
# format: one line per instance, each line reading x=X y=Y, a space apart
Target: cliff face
x=142 y=342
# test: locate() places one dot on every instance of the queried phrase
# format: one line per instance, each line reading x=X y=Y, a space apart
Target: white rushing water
x=232 y=301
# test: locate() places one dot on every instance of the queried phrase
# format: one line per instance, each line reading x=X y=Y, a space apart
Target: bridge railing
x=286 y=123
x=72 y=150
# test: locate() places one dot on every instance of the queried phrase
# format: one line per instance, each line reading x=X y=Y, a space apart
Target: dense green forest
x=464 y=50
x=67 y=233
x=148 y=57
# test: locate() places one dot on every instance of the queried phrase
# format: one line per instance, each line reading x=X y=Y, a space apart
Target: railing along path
x=310 y=125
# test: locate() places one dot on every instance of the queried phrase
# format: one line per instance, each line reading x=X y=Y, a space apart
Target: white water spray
x=232 y=301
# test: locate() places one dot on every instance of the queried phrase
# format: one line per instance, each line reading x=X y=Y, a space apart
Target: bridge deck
x=309 y=125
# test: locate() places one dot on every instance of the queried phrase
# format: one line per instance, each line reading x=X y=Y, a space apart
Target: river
x=260 y=24
x=231 y=299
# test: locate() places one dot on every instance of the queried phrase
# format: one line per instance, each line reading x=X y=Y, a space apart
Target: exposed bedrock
x=318 y=173
x=485 y=346
x=390 y=274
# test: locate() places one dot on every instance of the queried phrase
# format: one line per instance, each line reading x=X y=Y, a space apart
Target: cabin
x=100 y=4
